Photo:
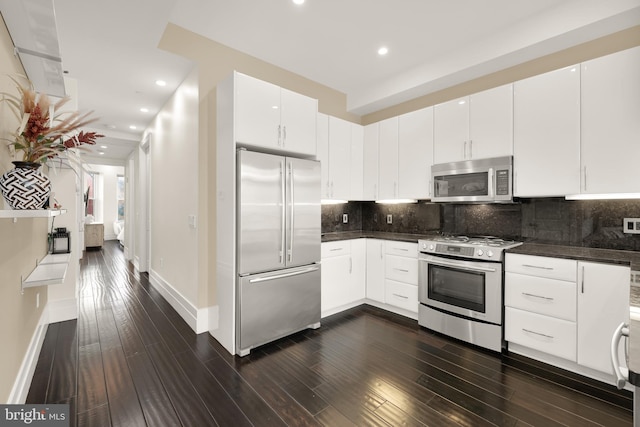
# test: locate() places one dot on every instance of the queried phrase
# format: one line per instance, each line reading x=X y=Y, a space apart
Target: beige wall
x=21 y=244
x=174 y=190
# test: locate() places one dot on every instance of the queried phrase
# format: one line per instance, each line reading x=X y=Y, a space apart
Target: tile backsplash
x=593 y=223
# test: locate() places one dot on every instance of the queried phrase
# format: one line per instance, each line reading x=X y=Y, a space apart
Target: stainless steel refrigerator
x=278 y=247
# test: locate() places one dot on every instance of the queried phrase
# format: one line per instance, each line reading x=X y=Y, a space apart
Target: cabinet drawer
x=401 y=269
x=542 y=333
x=401 y=248
x=553 y=268
x=556 y=298
x=331 y=249
x=401 y=295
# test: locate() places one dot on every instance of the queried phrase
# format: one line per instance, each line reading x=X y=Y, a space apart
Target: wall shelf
x=31 y=213
x=51 y=270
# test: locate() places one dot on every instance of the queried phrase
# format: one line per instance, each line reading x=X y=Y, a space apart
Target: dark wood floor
x=130 y=360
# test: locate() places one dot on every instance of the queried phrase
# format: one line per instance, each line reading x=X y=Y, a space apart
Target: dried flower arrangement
x=45 y=132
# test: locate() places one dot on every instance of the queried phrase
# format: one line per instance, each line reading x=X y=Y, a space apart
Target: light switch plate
x=631 y=225
x=345 y=218
x=389 y=219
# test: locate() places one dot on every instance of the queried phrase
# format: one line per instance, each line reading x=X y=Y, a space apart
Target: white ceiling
x=110 y=47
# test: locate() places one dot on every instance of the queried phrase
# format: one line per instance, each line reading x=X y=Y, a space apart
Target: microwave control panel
x=502 y=182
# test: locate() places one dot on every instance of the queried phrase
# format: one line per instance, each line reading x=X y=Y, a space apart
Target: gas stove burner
x=480 y=247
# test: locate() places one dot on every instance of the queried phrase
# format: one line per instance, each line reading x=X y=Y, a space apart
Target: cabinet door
x=339 y=158
x=451 y=131
x=257 y=112
x=415 y=154
x=298 y=122
x=388 y=159
x=370 y=162
x=322 y=131
x=357 y=280
x=491 y=123
x=375 y=270
x=336 y=272
x=356 y=168
x=547 y=134
x=603 y=303
x=611 y=123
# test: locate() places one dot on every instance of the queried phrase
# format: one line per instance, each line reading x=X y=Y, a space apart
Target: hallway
x=130 y=360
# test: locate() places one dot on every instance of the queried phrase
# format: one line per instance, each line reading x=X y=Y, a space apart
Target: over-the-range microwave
x=481 y=180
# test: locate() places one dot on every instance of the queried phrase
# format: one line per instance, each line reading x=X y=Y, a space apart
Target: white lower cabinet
x=343 y=275
x=401 y=275
x=375 y=270
x=567 y=309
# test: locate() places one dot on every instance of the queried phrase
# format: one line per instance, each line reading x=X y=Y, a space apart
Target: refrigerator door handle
x=291 y=219
x=283 y=220
x=283 y=275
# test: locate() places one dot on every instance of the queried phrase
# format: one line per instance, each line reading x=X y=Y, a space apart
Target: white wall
x=109 y=202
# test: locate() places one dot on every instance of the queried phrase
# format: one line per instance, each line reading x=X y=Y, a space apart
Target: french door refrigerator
x=278 y=247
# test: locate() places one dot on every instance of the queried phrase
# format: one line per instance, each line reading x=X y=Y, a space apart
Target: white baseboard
x=196 y=318
x=62 y=310
x=20 y=389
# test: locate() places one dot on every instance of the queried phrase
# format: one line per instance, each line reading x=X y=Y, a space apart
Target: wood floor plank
x=185 y=399
x=63 y=382
x=92 y=390
x=156 y=405
x=124 y=406
x=96 y=417
x=42 y=374
x=222 y=407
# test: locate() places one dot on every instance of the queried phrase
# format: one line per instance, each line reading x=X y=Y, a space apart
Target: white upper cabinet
x=611 y=123
x=322 y=136
x=339 y=158
x=415 y=154
x=474 y=127
x=388 y=159
x=547 y=134
x=274 y=118
x=357 y=162
x=370 y=162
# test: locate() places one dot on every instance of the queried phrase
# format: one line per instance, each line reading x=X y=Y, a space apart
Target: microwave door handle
x=491 y=183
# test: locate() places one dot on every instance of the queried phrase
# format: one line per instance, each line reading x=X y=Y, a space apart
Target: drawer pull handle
x=537 y=333
x=537 y=266
x=401 y=296
x=335 y=249
x=537 y=296
x=401 y=249
x=401 y=270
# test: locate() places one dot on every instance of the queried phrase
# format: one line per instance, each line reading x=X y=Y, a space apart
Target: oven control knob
x=431 y=247
x=424 y=246
x=490 y=253
x=480 y=252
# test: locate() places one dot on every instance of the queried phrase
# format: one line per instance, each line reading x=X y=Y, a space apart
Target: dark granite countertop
x=610 y=256
x=400 y=237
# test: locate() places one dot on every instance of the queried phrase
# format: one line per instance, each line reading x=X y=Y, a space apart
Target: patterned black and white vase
x=24 y=187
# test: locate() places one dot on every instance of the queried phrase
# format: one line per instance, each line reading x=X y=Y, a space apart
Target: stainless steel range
x=461 y=287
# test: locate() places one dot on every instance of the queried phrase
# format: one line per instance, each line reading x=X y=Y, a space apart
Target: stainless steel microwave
x=481 y=180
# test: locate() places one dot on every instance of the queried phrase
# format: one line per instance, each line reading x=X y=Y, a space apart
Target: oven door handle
x=461 y=267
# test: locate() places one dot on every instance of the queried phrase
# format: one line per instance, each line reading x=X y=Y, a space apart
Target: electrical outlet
x=375 y=217
x=345 y=218
x=389 y=219
x=631 y=225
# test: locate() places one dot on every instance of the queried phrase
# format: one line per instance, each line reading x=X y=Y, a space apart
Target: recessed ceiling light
x=462 y=102
x=101 y=152
x=383 y=51
x=103 y=146
x=298 y=1
x=132 y=127
x=161 y=83
x=144 y=110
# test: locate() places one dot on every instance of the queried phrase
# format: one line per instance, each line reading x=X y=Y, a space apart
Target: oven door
x=468 y=288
